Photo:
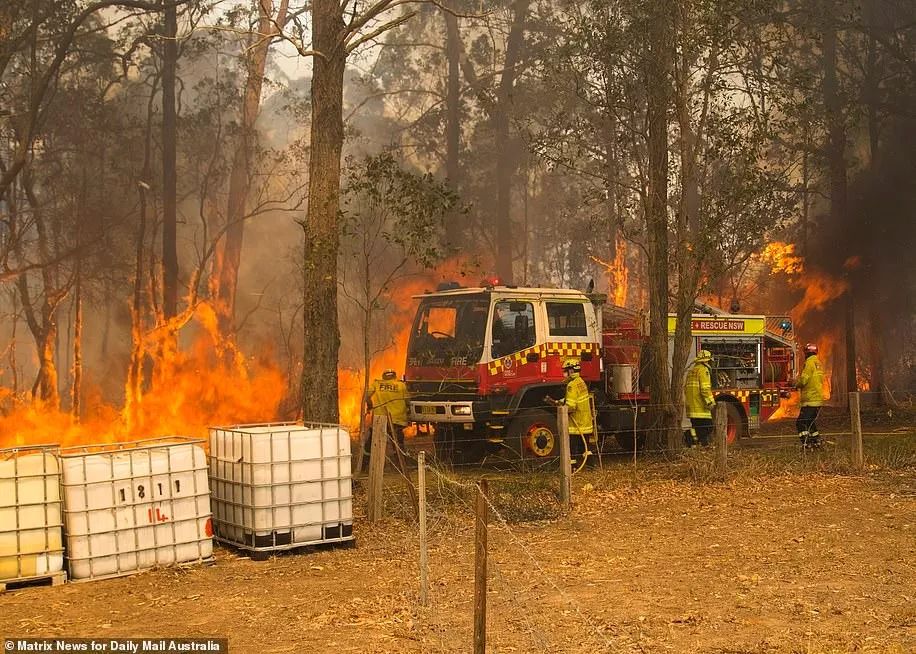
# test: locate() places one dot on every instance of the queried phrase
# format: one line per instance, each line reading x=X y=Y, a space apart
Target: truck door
x=513 y=344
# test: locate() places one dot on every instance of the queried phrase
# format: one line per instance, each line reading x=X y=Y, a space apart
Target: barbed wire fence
x=526 y=491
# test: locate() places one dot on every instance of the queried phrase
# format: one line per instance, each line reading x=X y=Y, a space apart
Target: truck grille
x=442 y=390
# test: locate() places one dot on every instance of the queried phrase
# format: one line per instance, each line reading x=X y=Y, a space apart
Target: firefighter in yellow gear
x=698 y=398
x=811 y=385
x=388 y=396
x=577 y=398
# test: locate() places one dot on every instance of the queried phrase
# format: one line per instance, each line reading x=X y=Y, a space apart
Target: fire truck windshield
x=449 y=331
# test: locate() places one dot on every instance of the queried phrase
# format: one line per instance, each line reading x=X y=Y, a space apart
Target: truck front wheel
x=535 y=431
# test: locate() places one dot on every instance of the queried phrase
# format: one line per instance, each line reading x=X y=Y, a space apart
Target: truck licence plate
x=426 y=410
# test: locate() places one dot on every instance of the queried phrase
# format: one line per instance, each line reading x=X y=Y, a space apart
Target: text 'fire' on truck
x=481 y=361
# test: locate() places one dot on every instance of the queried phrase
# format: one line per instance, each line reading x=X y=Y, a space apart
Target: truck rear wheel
x=735 y=428
x=535 y=431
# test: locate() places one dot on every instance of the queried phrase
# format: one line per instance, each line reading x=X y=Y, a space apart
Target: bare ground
x=802 y=562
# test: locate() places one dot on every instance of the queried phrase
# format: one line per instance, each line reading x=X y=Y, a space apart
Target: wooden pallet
x=285 y=550
x=53 y=579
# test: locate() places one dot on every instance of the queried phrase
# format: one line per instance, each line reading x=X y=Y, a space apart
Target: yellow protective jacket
x=698 y=398
x=811 y=382
x=389 y=397
x=580 y=410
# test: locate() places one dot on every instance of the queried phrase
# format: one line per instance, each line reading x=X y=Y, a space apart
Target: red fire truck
x=480 y=362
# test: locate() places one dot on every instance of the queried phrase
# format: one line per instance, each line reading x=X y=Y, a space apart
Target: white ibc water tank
x=30 y=513
x=622 y=378
x=279 y=486
x=131 y=506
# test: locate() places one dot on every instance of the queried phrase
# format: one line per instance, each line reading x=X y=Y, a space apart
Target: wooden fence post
x=855 y=417
x=361 y=452
x=480 y=570
x=424 y=562
x=721 y=437
x=565 y=459
x=377 y=466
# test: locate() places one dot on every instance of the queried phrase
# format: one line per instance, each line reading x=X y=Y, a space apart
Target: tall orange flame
x=819 y=290
x=618 y=275
x=210 y=383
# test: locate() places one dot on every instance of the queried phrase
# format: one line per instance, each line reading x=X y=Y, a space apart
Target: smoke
x=871 y=251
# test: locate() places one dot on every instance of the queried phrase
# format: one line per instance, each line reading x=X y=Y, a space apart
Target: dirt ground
x=805 y=562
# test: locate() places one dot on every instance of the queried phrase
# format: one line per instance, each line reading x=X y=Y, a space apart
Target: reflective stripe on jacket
x=811 y=382
x=389 y=397
x=698 y=398
x=580 y=411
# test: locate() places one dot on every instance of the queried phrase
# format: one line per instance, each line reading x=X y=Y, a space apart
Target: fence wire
x=523 y=493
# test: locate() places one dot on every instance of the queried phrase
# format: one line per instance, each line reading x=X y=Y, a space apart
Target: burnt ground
x=794 y=554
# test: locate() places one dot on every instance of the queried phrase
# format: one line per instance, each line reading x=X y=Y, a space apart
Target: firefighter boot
x=803 y=438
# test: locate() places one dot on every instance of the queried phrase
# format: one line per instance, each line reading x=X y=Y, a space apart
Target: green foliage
x=401 y=208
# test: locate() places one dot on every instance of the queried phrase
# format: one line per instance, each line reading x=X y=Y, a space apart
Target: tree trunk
x=229 y=258
x=874 y=71
x=321 y=330
x=75 y=391
x=836 y=158
x=169 y=165
x=454 y=234
x=14 y=319
x=657 y=83
x=133 y=387
x=506 y=158
x=45 y=388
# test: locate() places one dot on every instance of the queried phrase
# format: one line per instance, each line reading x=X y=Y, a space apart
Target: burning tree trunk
x=169 y=164
x=134 y=384
x=505 y=150
x=43 y=328
x=75 y=391
x=229 y=259
x=44 y=331
x=321 y=330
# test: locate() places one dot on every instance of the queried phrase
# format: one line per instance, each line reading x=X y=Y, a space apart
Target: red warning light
x=489 y=282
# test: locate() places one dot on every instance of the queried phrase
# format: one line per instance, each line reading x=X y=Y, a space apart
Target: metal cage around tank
x=130 y=506
x=31 y=515
x=280 y=486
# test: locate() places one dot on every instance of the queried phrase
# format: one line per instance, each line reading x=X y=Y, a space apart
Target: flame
x=618 y=275
x=819 y=290
x=863 y=377
x=211 y=383
x=782 y=258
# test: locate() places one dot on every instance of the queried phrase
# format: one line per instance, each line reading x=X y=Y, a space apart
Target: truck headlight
x=461 y=410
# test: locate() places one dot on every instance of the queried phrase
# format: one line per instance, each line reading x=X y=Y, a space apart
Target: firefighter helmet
x=389 y=374
x=810 y=348
x=572 y=365
x=703 y=356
